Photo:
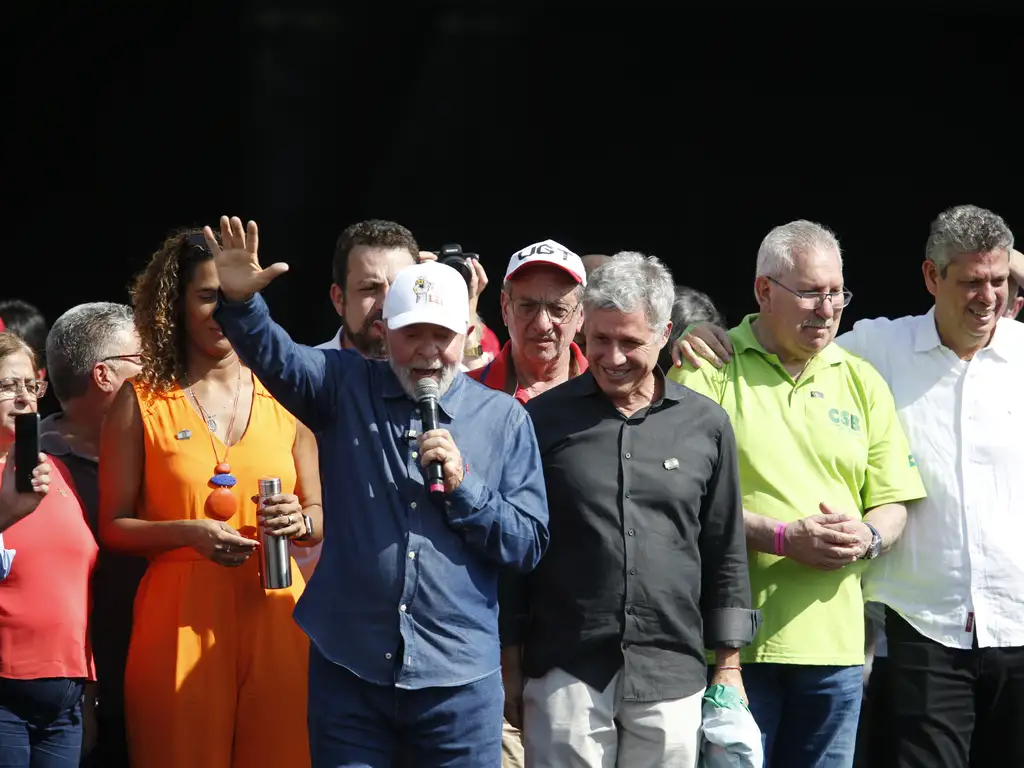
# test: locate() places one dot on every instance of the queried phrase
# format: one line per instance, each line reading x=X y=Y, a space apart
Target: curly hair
x=158 y=298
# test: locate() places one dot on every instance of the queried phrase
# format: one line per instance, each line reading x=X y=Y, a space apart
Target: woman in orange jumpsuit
x=217 y=668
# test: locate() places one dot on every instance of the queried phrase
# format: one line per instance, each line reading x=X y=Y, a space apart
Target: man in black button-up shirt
x=647 y=564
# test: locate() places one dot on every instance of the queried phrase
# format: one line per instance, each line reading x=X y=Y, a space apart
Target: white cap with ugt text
x=428 y=293
x=548 y=252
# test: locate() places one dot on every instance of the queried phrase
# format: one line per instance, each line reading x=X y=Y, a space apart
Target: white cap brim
x=579 y=279
x=430 y=318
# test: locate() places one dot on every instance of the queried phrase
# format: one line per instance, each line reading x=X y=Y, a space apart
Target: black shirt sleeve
x=725 y=579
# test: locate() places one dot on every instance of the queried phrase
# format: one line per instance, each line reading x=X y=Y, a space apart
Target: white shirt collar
x=926 y=335
x=334 y=343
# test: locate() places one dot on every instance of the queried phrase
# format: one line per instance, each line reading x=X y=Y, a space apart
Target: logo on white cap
x=428 y=293
x=548 y=252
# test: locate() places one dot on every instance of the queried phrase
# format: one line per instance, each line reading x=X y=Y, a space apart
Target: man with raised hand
x=402 y=611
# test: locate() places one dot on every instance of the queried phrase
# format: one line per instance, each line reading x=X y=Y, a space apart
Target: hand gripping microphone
x=426 y=395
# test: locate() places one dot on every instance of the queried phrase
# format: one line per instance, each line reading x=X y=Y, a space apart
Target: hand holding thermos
x=280 y=519
x=282 y=515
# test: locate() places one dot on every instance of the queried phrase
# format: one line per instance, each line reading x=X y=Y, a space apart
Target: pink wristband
x=780 y=539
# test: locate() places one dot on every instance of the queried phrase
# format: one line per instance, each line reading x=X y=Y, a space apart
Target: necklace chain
x=211 y=423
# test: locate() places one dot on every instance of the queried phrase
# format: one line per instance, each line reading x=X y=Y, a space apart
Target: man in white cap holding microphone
x=401 y=611
x=541 y=306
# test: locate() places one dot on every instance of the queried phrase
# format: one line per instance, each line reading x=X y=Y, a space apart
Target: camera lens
x=459 y=264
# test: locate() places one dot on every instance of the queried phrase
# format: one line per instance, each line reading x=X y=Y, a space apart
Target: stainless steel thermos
x=275 y=562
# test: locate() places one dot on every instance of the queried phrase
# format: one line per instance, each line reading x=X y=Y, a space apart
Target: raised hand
x=476 y=286
x=238 y=265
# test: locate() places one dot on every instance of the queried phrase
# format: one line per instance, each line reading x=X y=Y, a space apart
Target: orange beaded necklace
x=221 y=504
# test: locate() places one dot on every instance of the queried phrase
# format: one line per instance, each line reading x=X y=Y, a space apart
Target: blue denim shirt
x=405 y=592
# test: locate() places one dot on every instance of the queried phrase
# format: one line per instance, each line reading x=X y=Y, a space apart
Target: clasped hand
x=827 y=541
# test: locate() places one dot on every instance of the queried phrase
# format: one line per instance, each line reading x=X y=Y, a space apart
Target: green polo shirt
x=833 y=437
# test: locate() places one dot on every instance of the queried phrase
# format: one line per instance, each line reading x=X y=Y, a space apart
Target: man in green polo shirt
x=825 y=471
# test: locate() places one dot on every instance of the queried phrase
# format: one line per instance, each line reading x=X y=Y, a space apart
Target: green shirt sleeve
x=892 y=475
x=706 y=380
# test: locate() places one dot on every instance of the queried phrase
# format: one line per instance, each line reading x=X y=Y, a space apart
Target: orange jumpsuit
x=217 y=669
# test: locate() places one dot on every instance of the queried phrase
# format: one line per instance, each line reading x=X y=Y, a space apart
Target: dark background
x=683 y=133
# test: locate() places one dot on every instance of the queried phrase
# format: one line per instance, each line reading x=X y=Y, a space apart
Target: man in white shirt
x=954 y=583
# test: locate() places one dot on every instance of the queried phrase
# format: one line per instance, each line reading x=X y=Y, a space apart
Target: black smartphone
x=26 y=450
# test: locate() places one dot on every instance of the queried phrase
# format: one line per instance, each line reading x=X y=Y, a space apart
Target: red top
x=44 y=601
x=488 y=341
x=495 y=373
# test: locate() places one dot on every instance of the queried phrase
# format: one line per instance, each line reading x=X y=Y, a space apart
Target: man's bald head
x=594 y=260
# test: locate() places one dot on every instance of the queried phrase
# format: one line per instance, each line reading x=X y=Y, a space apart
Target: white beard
x=405 y=377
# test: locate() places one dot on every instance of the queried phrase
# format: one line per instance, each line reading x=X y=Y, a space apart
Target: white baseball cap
x=428 y=293
x=548 y=252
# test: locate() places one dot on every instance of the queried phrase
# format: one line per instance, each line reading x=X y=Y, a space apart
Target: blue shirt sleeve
x=301 y=378
x=509 y=524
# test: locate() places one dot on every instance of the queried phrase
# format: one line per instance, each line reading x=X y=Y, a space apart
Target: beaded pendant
x=221 y=504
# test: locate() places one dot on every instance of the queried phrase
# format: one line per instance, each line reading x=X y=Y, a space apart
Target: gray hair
x=965 y=229
x=690 y=307
x=632 y=281
x=782 y=244
x=79 y=339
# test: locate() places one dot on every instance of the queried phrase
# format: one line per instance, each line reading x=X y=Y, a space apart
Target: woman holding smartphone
x=217 y=668
x=48 y=554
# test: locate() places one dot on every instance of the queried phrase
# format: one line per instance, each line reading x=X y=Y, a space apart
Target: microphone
x=427 y=393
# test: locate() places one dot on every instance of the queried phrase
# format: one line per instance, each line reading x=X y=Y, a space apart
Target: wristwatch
x=875 y=547
x=309 y=529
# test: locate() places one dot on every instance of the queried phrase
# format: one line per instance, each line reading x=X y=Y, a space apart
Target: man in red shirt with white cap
x=540 y=304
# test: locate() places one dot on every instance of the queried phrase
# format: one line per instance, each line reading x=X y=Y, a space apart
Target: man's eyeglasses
x=10 y=388
x=814 y=299
x=558 y=312
x=136 y=358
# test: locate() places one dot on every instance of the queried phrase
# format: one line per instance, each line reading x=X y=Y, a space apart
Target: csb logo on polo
x=841 y=418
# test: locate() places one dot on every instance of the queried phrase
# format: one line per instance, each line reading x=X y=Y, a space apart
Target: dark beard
x=367 y=344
